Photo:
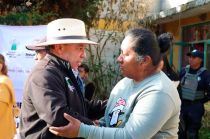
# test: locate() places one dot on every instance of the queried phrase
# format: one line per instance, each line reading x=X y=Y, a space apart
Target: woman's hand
x=70 y=131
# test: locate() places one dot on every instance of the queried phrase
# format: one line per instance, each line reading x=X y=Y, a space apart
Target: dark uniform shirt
x=203 y=83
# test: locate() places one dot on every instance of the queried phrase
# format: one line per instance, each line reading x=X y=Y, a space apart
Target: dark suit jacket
x=50 y=91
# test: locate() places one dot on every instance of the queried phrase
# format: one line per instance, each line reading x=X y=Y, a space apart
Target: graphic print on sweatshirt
x=116 y=112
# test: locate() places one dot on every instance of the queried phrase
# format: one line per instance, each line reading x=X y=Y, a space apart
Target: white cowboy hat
x=64 y=31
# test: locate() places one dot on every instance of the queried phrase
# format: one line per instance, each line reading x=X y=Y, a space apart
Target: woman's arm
x=147 y=118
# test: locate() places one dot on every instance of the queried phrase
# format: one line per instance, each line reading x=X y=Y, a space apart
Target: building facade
x=190 y=24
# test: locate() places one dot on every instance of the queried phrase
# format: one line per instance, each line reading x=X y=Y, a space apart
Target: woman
x=143 y=105
x=165 y=41
x=7 y=103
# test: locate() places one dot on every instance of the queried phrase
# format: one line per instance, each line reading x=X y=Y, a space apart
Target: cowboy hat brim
x=34 y=48
x=52 y=42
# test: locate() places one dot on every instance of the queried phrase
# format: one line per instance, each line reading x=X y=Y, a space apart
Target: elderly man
x=195 y=91
x=41 y=52
x=143 y=105
x=51 y=88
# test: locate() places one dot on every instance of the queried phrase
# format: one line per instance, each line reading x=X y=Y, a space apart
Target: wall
x=175 y=27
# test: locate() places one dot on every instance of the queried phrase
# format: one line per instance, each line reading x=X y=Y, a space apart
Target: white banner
x=18 y=59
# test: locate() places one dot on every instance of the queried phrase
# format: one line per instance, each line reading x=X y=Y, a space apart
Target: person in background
x=165 y=42
x=51 y=88
x=143 y=105
x=8 y=107
x=195 y=91
x=87 y=84
x=40 y=54
x=40 y=51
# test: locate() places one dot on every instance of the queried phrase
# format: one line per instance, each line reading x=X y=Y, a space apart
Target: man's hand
x=96 y=122
x=70 y=131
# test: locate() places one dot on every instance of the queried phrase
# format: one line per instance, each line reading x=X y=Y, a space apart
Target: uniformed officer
x=195 y=91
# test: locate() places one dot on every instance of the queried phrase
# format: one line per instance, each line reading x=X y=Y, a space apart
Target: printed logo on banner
x=18 y=59
x=15 y=53
x=14 y=45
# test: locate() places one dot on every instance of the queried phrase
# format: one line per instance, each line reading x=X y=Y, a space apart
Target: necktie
x=81 y=84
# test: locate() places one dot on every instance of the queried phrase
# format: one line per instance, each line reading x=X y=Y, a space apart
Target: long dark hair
x=165 y=43
x=4 y=68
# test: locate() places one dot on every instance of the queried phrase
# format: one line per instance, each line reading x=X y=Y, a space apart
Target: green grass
x=204 y=133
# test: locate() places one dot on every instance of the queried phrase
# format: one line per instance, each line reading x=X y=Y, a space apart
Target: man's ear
x=58 y=48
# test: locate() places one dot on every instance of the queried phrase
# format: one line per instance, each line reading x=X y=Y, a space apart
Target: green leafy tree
x=33 y=12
